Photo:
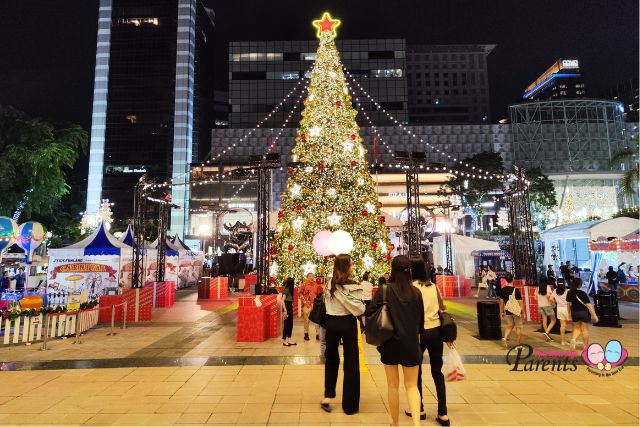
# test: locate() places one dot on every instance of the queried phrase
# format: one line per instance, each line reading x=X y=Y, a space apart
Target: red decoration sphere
x=290 y=171
x=353 y=137
x=387 y=257
x=290 y=247
x=318 y=281
x=272 y=250
x=298 y=208
x=272 y=280
x=280 y=214
x=338 y=103
x=374 y=245
x=381 y=219
x=304 y=101
x=321 y=166
x=353 y=163
x=365 y=212
x=303 y=136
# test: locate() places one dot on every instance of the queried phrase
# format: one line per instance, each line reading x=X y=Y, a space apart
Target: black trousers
x=345 y=328
x=287 y=328
x=431 y=340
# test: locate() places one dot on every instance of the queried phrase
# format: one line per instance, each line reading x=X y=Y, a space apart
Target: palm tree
x=629 y=181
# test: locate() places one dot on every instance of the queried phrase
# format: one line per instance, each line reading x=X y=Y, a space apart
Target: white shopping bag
x=454 y=370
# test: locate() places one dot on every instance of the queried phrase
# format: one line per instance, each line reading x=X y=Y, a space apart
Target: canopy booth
x=149 y=253
x=613 y=253
x=171 y=263
x=191 y=263
x=93 y=265
x=462 y=248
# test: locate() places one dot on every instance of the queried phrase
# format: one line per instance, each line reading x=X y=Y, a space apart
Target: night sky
x=47 y=54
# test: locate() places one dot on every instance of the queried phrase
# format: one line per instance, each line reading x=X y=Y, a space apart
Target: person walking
x=343 y=301
x=431 y=338
x=582 y=312
x=287 y=311
x=559 y=296
x=551 y=274
x=612 y=279
x=544 y=308
x=308 y=292
x=21 y=279
x=492 y=281
x=511 y=307
x=404 y=303
x=483 y=281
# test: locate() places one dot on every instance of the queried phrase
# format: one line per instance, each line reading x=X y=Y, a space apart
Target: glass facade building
x=448 y=83
x=563 y=80
x=152 y=110
x=261 y=73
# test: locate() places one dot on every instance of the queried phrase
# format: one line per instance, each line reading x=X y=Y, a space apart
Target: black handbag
x=318 y=314
x=448 y=327
x=379 y=325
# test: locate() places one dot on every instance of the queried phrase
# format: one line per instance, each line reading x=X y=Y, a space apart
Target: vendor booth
x=92 y=265
x=578 y=243
x=462 y=248
x=191 y=262
x=623 y=251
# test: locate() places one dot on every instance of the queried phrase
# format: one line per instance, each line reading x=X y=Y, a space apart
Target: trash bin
x=489 y=320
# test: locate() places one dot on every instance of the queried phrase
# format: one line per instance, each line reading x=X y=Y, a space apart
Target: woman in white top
x=483 y=282
x=491 y=281
x=559 y=297
x=544 y=307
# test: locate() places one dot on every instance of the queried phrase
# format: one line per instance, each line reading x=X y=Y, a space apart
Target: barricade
x=529 y=300
x=213 y=287
x=129 y=296
x=164 y=294
x=453 y=286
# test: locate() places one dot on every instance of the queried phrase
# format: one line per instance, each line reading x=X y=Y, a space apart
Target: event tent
x=461 y=249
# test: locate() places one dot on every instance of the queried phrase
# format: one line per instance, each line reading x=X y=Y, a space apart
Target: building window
x=309 y=56
x=397 y=72
x=283 y=75
x=381 y=54
x=256 y=56
x=132 y=118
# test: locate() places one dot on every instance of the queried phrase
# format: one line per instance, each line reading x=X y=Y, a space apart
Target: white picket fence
x=28 y=329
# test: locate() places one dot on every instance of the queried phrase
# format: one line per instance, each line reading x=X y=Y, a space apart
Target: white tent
x=571 y=242
x=461 y=249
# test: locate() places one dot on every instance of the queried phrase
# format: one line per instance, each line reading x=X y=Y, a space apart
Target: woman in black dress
x=407 y=315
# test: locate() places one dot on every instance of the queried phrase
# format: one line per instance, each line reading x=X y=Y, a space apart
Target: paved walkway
x=186 y=368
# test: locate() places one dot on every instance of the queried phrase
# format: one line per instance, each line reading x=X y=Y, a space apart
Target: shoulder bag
x=448 y=327
x=318 y=314
x=512 y=305
x=379 y=325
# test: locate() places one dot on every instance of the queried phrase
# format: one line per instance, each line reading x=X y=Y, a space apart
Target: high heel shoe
x=443 y=422
x=423 y=415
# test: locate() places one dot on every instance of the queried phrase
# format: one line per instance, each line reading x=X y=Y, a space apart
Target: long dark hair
x=419 y=270
x=365 y=276
x=560 y=287
x=340 y=272
x=542 y=285
x=289 y=285
x=401 y=277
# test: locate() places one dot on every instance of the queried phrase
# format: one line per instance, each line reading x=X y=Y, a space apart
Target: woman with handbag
x=582 y=312
x=401 y=347
x=343 y=304
x=287 y=311
x=431 y=338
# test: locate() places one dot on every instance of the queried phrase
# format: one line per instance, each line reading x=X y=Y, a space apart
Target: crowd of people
x=413 y=302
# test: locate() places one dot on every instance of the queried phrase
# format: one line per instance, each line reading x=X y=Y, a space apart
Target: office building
x=448 y=83
x=626 y=93
x=152 y=107
x=261 y=73
x=562 y=80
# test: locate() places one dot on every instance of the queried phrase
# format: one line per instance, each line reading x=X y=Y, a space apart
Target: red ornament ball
x=354 y=163
x=290 y=171
x=298 y=208
x=381 y=218
x=338 y=103
x=387 y=257
x=318 y=281
x=303 y=136
x=353 y=137
x=365 y=212
x=272 y=250
x=280 y=215
x=272 y=280
x=290 y=247
x=320 y=166
x=374 y=245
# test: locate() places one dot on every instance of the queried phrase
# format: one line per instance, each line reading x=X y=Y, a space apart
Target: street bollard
x=113 y=319
x=45 y=319
x=124 y=316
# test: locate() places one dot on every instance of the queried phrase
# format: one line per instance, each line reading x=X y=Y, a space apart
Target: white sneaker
x=573 y=344
x=505 y=343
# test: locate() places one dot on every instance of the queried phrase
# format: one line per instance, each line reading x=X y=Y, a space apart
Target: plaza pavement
x=186 y=368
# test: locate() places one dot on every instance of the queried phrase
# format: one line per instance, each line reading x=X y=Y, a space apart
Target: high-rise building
x=562 y=80
x=625 y=92
x=261 y=73
x=153 y=106
x=448 y=83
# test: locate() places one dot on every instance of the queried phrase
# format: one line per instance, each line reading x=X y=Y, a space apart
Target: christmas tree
x=332 y=188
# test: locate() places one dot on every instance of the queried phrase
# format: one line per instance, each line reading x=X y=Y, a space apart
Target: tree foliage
x=35 y=156
x=629 y=156
x=476 y=191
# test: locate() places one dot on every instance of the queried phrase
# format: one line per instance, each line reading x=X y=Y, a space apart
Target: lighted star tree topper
x=333 y=189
